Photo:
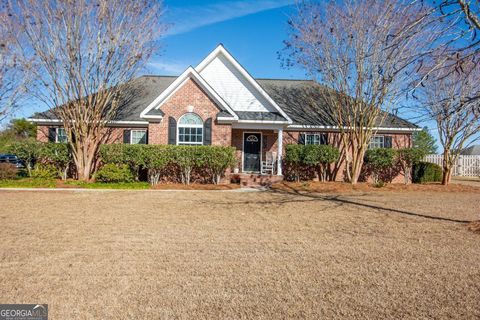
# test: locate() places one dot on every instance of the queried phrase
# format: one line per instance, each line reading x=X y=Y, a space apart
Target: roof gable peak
x=189 y=73
x=220 y=52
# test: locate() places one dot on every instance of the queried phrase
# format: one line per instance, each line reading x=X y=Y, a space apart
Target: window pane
x=61 y=135
x=376 y=142
x=139 y=136
x=312 y=138
x=190 y=118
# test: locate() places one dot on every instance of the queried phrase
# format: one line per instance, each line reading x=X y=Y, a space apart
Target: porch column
x=279 y=151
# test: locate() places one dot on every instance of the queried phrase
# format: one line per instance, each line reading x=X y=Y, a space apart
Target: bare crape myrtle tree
x=83 y=51
x=365 y=54
x=451 y=99
x=12 y=77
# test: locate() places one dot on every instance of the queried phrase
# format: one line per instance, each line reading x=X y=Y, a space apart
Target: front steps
x=254 y=180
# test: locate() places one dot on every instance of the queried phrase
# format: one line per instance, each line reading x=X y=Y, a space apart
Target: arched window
x=190 y=129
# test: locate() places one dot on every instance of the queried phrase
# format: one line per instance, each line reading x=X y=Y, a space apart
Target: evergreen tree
x=424 y=141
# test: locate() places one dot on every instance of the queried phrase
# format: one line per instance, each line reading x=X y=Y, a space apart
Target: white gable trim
x=221 y=50
x=190 y=73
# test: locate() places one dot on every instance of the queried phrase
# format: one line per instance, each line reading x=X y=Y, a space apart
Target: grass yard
x=241 y=255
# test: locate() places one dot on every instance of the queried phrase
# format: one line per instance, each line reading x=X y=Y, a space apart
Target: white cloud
x=193 y=17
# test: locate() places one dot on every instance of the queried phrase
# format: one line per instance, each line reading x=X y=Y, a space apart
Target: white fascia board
x=152 y=117
x=297 y=127
x=58 y=121
x=177 y=84
x=44 y=120
x=221 y=50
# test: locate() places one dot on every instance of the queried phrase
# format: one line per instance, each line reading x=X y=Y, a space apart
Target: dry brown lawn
x=239 y=255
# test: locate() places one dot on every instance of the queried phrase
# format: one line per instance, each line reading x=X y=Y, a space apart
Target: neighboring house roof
x=471 y=151
x=297 y=103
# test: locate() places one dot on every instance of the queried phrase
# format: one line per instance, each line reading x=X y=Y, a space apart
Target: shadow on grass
x=342 y=201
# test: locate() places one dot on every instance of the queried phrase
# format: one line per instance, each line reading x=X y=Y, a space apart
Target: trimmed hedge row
x=382 y=164
x=43 y=159
x=300 y=159
x=166 y=160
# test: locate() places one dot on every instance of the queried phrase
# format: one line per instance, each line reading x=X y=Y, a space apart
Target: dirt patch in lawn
x=237 y=255
x=343 y=187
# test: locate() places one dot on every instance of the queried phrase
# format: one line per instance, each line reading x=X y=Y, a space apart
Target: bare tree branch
x=366 y=54
x=12 y=77
x=450 y=98
x=84 y=50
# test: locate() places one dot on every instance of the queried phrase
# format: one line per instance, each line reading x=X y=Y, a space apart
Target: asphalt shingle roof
x=299 y=99
x=302 y=101
x=471 y=151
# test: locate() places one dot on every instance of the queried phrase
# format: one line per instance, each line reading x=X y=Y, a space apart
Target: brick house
x=218 y=102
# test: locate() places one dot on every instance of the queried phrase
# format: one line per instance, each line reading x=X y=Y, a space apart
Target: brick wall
x=42 y=133
x=399 y=140
x=269 y=142
x=115 y=133
x=190 y=95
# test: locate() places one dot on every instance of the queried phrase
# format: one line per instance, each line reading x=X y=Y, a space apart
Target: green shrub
x=217 y=160
x=114 y=173
x=187 y=158
x=8 y=171
x=294 y=155
x=155 y=159
x=26 y=150
x=407 y=158
x=45 y=171
x=57 y=154
x=211 y=161
x=424 y=172
x=301 y=159
x=129 y=154
x=320 y=157
x=378 y=161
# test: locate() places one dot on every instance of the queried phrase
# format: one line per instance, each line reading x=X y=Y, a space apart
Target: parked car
x=13 y=159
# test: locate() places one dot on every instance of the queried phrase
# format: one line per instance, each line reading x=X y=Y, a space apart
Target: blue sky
x=251 y=30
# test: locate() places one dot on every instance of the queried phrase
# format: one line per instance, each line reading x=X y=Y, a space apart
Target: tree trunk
x=446 y=176
x=357 y=164
x=447 y=167
x=84 y=159
x=408 y=175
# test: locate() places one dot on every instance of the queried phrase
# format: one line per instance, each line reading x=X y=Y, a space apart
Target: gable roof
x=296 y=103
x=153 y=111
x=139 y=93
x=237 y=78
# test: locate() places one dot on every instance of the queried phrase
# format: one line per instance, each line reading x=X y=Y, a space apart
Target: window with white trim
x=190 y=129
x=138 y=137
x=61 y=135
x=376 y=142
x=312 y=138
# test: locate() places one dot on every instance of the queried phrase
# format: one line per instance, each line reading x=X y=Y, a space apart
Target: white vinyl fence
x=466 y=166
